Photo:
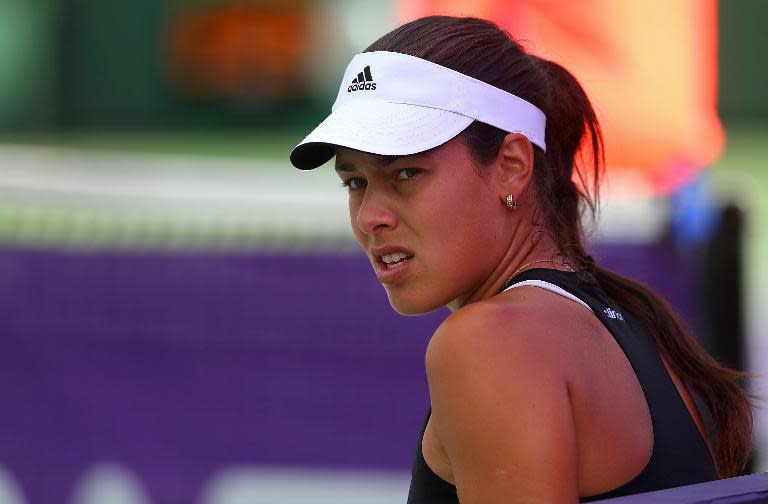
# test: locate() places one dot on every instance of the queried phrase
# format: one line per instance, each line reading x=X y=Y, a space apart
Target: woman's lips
x=398 y=266
x=390 y=273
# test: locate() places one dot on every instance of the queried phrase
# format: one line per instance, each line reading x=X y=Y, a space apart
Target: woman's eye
x=407 y=173
x=353 y=184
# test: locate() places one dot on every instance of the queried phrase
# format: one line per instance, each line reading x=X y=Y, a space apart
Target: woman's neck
x=528 y=248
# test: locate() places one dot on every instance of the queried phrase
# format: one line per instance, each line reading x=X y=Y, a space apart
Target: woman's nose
x=375 y=213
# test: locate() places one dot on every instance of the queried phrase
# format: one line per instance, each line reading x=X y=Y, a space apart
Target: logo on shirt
x=613 y=314
x=363 y=81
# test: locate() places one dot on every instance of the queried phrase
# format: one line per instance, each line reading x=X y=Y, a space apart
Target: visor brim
x=382 y=128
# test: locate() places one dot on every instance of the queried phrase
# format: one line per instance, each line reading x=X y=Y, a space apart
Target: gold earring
x=511 y=202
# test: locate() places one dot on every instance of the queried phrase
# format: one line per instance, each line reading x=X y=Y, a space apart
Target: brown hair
x=480 y=49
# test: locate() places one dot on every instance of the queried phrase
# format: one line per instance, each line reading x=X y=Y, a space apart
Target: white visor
x=392 y=104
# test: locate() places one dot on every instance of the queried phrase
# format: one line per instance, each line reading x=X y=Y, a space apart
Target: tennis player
x=552 y=380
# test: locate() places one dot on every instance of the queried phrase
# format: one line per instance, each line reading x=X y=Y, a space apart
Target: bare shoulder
x=521 y=326
x=500 y=402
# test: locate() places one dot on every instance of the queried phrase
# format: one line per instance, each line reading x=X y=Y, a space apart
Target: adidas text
x=368 y=86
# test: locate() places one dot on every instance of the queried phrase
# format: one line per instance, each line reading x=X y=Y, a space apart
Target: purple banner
x=176 y=366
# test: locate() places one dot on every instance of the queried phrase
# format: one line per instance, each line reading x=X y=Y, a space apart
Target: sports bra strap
x=550 y=287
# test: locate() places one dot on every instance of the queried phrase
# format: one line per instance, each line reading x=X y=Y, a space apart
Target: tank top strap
x=550 y=287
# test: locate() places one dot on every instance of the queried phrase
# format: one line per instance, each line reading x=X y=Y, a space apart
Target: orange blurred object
x=238 y=49
x=649 y=67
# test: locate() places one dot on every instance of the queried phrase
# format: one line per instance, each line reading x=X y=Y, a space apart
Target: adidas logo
x=363 y=81
x=613 y=314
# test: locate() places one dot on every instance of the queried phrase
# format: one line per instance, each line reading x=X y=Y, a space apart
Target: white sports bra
x=550 y=287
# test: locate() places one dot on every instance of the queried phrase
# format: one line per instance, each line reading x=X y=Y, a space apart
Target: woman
x=552 y=380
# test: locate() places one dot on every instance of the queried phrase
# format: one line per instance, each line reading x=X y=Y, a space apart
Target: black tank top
x=679 y=455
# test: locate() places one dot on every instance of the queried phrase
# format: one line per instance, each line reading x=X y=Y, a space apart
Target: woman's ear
x=514 y=166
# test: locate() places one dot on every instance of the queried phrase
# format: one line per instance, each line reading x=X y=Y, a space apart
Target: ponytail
x=574 y=151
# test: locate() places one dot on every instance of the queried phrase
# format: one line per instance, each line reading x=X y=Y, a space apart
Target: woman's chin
x=408 y=306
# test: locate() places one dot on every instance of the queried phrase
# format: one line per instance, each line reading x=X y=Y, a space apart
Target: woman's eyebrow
x=345 y=167
x=378 y=161
x=383 y=161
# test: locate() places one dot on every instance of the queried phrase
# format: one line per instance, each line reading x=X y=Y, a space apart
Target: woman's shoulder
x=500 y=402
x=521 y=327
x=523 y=317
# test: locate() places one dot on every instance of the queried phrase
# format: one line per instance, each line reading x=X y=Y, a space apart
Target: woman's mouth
x=393 y=266
x=394 y=260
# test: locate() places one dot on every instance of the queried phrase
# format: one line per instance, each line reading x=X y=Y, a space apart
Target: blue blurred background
x=186 y=318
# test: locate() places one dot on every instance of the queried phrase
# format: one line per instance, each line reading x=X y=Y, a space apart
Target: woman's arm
x=500 y=405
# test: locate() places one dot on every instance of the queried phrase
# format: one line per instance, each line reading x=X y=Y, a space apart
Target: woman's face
x=431 y=217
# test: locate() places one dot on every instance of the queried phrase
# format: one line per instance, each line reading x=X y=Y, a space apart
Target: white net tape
x=69 y=197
